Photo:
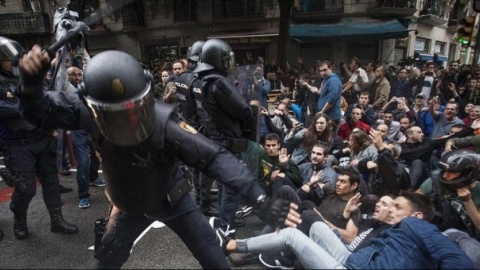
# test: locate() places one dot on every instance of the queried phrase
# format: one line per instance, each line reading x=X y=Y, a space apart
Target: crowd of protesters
x=354 y=141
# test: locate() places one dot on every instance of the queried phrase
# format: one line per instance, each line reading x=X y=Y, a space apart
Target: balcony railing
x=318 y=6
x=437 y=8
x=394 y=4
x=25 y=23
x=434 y=12
x=235 y=8
x=401 y=8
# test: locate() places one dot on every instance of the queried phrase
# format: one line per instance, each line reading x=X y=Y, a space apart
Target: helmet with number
x=116 y=90
x=216 y=55
x=466 y=162
x=195 y=51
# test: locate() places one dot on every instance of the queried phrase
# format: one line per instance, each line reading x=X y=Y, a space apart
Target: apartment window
x=185 y=10
x=439 y=47
x=237 y=8
x=421 y=44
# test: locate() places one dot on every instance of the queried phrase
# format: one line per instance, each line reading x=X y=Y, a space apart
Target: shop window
x=439 y=48
x=237 y=8
x=422 y=44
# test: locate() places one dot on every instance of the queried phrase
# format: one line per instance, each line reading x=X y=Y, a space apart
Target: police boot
x=20 y=229
x=58 y=224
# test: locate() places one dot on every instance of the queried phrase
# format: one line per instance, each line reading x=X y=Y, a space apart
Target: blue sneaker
x=84 y=203
x=98 y=183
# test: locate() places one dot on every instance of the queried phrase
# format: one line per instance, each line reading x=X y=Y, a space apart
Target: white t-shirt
x=354 y=78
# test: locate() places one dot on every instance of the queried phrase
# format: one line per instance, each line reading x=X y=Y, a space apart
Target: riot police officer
x=29 y=152
x=223 y=112
x=141 y=143
x=186 y=103
x=184 y=84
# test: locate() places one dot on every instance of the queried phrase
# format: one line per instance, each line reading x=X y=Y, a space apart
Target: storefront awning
x=348 y=28
x=272 y=32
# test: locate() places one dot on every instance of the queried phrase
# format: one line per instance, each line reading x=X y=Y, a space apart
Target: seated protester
x=320 y=130
x=329 y=203
x=374 y=215
x=464 y=115
x=417 y=151
x=360 y=148
x=317 y=164
x=466 y=142
x=458 y=185
x=411 y=243
x=405 y=123
x=281 y=118
x=272 y=128
x=353 y=121
x=383 y=129
x=368 y=114
x=393 y=126
x=276 y=169
x=399 y=108
x=389 y=175
x=444 y=121
x=473 y=115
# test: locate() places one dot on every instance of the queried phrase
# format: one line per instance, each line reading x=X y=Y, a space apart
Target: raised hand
x=283 y=157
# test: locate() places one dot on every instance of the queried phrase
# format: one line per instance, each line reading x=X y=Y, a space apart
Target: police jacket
x=145 y=178
x=12 y=126
x=186 y=102
x=220 y=106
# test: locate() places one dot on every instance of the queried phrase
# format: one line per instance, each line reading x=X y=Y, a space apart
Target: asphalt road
x=159 y=248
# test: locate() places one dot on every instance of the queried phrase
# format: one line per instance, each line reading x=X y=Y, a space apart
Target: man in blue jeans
x=87 y=162
x=412 y=242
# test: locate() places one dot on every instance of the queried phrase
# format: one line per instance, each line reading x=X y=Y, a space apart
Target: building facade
x=159 y=31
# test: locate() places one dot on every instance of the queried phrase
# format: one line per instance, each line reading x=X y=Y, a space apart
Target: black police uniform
x=144 y=182
x=186 y=102
x=223 y=113
x=29 y=152
x=188 y=108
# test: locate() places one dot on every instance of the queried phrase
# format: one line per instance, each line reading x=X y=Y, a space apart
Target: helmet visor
x=125 y=123
x=9 y=49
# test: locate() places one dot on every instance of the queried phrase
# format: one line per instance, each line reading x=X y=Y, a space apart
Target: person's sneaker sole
x=278 y=266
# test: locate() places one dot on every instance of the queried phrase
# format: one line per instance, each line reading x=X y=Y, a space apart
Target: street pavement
x=159 y=248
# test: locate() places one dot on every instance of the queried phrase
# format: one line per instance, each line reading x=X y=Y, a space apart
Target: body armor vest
x=217 y=123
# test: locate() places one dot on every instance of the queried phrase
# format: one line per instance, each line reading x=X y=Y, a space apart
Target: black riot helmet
x=467 y=162
x=216 y=55
x=9 y=49
x=195 y=51
x=116 y=90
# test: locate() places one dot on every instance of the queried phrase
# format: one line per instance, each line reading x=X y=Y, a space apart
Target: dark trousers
x=35 y=159
x=418 y=172
x=94 y=163
x=184 y=219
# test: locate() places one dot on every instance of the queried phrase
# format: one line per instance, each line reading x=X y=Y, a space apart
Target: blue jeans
x=467 y=244
x=322 y=250
x=81 y=148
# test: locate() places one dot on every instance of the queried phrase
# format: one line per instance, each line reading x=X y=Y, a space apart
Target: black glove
x=273 y=212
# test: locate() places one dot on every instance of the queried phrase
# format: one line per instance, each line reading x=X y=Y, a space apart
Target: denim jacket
x=411 y=244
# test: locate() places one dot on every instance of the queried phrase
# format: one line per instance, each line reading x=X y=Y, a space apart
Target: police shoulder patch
x=187 y=128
